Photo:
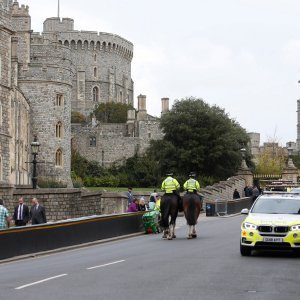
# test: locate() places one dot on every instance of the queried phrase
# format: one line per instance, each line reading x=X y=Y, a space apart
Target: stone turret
x=142 y=111
x=164 y=105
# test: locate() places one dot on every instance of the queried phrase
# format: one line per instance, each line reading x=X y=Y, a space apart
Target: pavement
x=148 y=267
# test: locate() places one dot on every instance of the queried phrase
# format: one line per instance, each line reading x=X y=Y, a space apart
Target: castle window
x=59 y=158
x=59 y=100
x=66 y=43
x=95 y=72
x=95 y=57
x=92 y=141
x=149 y=135
x=59 y=130
x=121 y=97
x=95 y=94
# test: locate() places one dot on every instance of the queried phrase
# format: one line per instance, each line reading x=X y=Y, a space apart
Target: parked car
x=273 y=222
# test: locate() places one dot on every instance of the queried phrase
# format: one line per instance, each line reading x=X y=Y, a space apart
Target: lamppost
x=243 y=164
x=35 y=145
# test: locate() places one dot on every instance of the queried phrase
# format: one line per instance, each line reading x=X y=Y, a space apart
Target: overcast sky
x=242 y=55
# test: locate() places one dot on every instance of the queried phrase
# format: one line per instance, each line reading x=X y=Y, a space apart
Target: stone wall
x=101 y=60
x=223 y=190
x=62 y=204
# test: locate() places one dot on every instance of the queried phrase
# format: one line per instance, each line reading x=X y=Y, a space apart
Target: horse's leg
x=194 y=234
x=171 y=232
x=189 y=232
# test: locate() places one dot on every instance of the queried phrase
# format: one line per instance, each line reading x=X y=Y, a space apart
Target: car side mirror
x=245 y=211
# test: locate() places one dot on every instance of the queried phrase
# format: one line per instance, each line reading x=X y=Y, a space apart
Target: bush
x=77 y=117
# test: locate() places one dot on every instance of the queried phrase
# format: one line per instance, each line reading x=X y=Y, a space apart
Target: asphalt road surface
x=148 y=267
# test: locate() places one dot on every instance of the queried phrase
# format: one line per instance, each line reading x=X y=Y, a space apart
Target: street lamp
x=35 y=145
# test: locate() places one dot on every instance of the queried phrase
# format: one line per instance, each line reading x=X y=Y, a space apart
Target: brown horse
x=169 y=212
x=191 y=206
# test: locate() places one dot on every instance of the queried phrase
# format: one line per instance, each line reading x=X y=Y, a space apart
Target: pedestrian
x=4 y=216
x=129 y=196
x=236 y=194
x=37 y=212
x=142 y=205
x=133 y=206
x=255 y=193
x=21 y=213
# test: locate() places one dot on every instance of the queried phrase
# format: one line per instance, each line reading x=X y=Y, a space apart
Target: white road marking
x=40 y=281
x=108 y=264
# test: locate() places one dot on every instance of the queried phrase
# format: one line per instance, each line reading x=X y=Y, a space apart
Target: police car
x=273 y=222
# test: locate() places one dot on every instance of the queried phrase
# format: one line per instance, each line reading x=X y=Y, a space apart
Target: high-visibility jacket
x=191 y=185
x=170 y=184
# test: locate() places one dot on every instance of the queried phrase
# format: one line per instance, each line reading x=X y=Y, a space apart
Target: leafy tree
x=199 y=138
x=77 y=117
x=111 y=112
x=271 y=159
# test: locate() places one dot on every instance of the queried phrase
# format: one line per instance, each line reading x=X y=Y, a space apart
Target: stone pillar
x=164 y=105
x=290 y=172
x=246 y=173
x=130 y=122
x=142 y=112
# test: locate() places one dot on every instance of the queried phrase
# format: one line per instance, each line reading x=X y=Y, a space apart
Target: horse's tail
x=192 y=209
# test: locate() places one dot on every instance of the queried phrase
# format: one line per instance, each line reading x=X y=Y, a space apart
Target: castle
x=45 y=76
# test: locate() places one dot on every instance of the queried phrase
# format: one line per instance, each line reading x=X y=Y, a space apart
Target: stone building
x=45 y=76
x=14 y=106
x=113 y=143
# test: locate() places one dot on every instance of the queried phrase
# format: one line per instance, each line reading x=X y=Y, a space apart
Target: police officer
x=171 y=186
x=192 y=185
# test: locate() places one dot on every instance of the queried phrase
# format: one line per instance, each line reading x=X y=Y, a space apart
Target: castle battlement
x=17 y=10
x=92 y=41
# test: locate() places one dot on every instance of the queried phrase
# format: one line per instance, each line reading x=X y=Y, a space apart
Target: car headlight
x=249 y=226
x=295 y=228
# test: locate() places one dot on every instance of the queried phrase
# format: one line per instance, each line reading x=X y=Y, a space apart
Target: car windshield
x=276 y=206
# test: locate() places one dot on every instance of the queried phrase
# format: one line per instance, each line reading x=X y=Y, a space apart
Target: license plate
x=273 y=239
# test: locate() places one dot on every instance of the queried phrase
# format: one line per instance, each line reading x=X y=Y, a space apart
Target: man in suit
x=37 y=213
x=21 y=213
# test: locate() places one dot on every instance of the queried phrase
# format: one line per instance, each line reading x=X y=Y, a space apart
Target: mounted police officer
x=192 y=185
x=171 y=186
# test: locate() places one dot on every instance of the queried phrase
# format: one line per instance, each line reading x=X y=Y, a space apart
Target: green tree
x=111 y=112
x=77 y=117
x=271 y=160
x=199 y=138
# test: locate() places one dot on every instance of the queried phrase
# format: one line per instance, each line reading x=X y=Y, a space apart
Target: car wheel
x=245 y=250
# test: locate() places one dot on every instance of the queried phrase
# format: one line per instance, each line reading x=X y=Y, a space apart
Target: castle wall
x=48 y=77
x=5 y=95
x=112 y=144
x=102 y=61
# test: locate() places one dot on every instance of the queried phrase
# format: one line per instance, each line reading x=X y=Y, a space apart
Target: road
x=148 y=267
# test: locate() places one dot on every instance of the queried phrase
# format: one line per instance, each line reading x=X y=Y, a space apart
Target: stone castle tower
x=46 y=76
x=101 y=61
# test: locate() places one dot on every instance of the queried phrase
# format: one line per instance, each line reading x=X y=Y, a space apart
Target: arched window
x=95 y=94
x=59 y=100
x=59 y=158
x=66 y=43
x=95 y=72
x=59 y=130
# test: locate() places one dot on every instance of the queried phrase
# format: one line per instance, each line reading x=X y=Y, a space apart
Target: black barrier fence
x=37 y=238
x=232 y=206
